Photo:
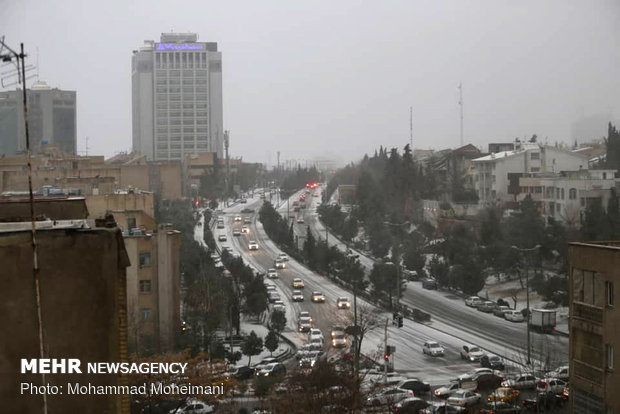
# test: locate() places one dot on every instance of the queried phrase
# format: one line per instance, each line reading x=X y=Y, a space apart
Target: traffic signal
x=400 y=321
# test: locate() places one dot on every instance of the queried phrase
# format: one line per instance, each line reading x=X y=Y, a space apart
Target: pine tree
x=272 y=341
x=253 y=345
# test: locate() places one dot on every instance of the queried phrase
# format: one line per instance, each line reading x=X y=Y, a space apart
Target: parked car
x=388 y=396
x=501 y=408
x=521 y=382
x=343 y=303
x=514 y=316
x=501 y=311
x=447 y=390
x=432 y=348
x=272 y=273
x=473 y=301
x=409 y=405
x=471 y=353
x=492 y=361
x=487 y=306
x=464 y=398
x=442 y=407
x=429 y=284
x=297 y=283
x=554 y=385
x=317 y=297
x=504 y=394
x=297 y=296
x=414 y=384
x=560 y=372
x=253 y=245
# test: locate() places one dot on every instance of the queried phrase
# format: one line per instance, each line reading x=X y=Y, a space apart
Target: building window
x=562 y=194
x=588 y=287
x=131 y=223
x=609 y=352
x=535 y=169
x=609 y=293
x=572 y=194
x=583 y=201
x=535 y=155
x=145 y=286
x=145 y=259
x=146 y=314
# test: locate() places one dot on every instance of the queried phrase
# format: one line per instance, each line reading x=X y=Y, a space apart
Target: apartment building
x=594 y=342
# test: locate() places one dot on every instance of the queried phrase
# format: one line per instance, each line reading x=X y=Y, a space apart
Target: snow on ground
x=261 y=331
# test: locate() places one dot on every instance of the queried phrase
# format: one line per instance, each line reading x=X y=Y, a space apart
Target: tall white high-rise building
x=177 y=97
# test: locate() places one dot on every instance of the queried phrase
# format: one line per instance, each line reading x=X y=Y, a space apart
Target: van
x=514 y=316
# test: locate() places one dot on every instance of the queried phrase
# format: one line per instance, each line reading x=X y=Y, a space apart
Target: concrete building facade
x=496 y=176
x=594 y=340
x=52 y=120
x=177 y=97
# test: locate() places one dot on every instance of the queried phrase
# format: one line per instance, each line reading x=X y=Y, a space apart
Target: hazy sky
x=337 y=78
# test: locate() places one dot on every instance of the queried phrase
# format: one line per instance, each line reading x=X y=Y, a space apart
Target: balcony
x=588 y=313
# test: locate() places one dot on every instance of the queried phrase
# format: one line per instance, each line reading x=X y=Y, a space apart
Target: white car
x=389 y=396
x=236 y=232
x=471 y=353
x=245 y=230
x=193 y=407
x=432 y=348
x=238 y=218
x=317 y=297
x=300 y=219
x=298 y=296
x=473 y=301
x=521 y=382
x=253 y=245
x=554 y=385
x=464 y=397
x=270 y=287
x=279 y=264
x=315 y=333
x=447 y=390
x=304 y=314
x=343 y=303
x=514 y=316
x=272 y=273
x=560 y=372
x=283 y=257
x=474 y=373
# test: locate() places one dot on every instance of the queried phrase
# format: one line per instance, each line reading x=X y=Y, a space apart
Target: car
x=300 y=219
x=343 y=303
x=283 y=257
x=501 y=408
x=472 y=301
x=501 y=310
x=339 y=340
x=447 y=390
x=543 y=401
x=471 y=353
x=244 y=201
x=236 y=232
x=414 y=384
x=492 y=361
x=279 y=306
x=560 y=372
x=193 y=407
x=317 y=297
x=388 y=396
x=238 y=218
x=244 y=373
x=554 y=385
x=279 y=264
x=315 y=333
x=504 y=394
x=429 y=284
x=226 y=248
x=442 y=407
x=464 y=398
x=487 y=306
x=247 y=220
x=253 y=245
x=274 y=369
x=270 y=287
x=273 y=296
x=514 y=316
x=468 y=376
x=307 y=362
x=272 y=273
x=297 y=283
x=304 y=325
x=304 y=314
x=487 y=381
x=317 y=341
x=297 y=296
x=245 y=230
x=222 y=237
x=521 y=382
x=410 y=405
x=432 y=348
x=220 y=225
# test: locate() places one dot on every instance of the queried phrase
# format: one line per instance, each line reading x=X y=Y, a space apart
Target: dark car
x=486 y=381
x=411 y=405
x=501 y=408
x=244 y=373
x=543 y=400
x=492 y=361
x=429 y=284
x=414 y=384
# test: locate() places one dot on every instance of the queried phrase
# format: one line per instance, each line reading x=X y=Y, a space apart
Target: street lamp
x=527 y=295
x=404 y=223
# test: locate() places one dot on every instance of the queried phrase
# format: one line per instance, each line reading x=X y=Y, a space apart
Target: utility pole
x=411 y=128
x=226 y=144
x=385 y=361
x=461 y=105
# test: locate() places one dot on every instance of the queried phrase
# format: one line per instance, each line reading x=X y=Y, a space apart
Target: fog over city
x=337 y=79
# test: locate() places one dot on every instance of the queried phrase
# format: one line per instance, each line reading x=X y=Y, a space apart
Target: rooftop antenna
x=87 y=146
x=411 y=127
x=461 y=105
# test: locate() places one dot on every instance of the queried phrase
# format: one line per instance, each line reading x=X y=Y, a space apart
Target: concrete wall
x=168 y=285
x=98 y=205
x=83 y=304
